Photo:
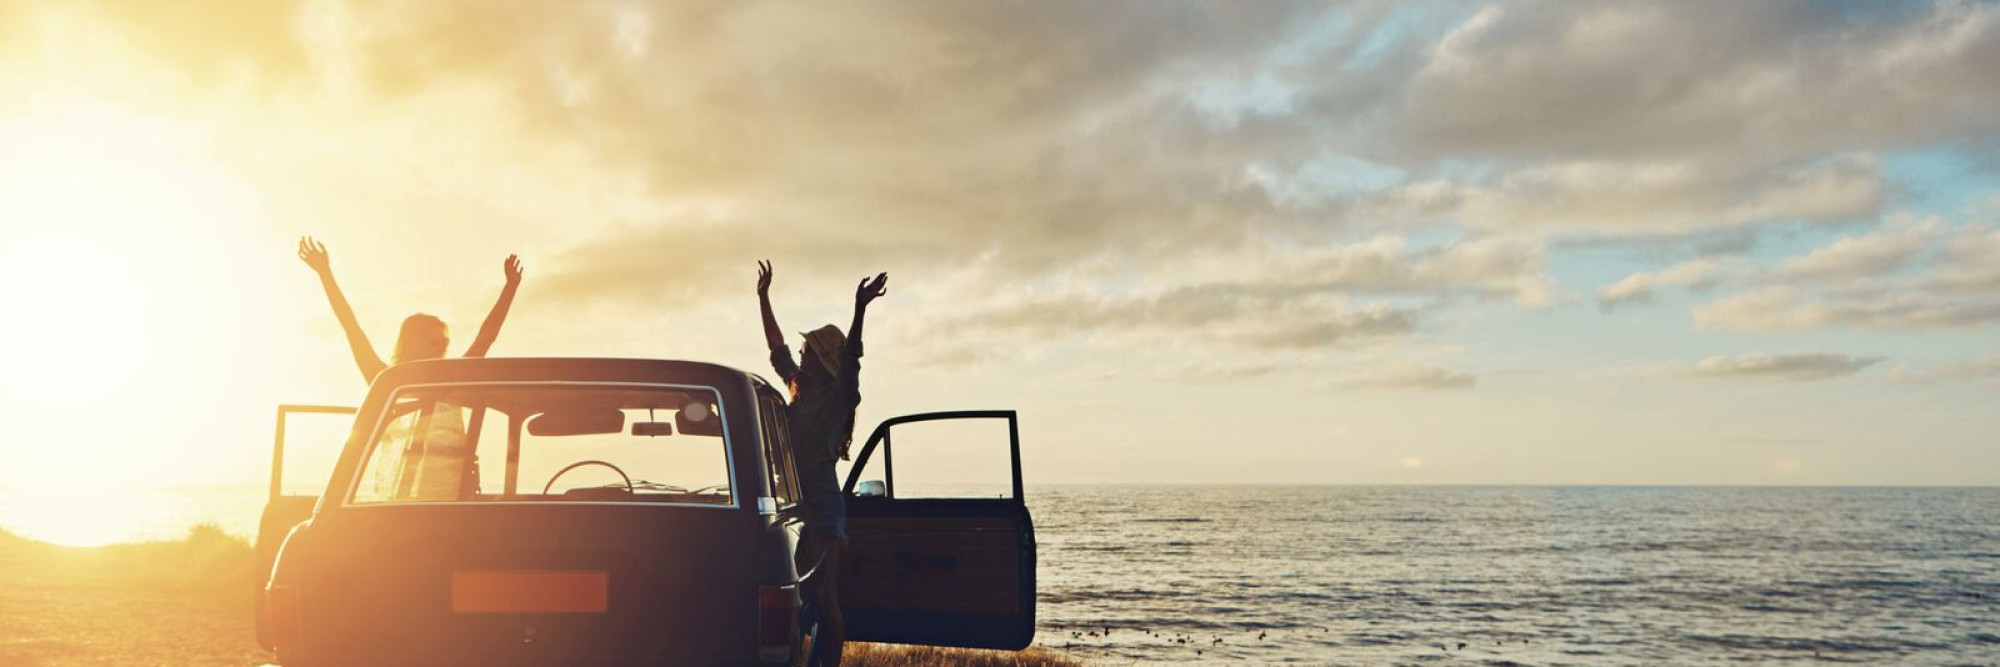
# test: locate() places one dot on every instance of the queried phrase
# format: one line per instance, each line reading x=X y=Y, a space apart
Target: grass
x=891 y=655
x=189 y=602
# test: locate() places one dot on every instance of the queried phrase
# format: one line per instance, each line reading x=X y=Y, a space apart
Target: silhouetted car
x=612 y=512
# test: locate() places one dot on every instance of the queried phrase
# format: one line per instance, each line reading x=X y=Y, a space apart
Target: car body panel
x=950 y=572
x=614 y=583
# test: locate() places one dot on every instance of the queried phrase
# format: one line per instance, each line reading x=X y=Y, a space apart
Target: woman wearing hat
x=825 y=388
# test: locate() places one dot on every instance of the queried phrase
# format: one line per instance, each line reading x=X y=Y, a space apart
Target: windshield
x=547 y=443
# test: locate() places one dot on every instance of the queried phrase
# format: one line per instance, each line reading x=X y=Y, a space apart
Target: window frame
x=375 y=435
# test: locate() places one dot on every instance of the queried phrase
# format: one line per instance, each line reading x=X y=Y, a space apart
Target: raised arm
x=313 y=253
x=490 y=329
x=866 y=292
x=773 y=336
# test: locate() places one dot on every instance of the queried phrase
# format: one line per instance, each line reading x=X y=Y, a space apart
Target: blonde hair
x=413 y=330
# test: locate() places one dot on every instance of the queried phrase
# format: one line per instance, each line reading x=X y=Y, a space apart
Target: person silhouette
x=825 y=387
x=434 y=459
x=423 y=336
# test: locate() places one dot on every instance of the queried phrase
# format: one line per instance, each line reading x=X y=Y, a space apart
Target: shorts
x=826 y=507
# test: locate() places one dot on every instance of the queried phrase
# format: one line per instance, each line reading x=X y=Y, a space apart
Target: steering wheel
x=593 y=462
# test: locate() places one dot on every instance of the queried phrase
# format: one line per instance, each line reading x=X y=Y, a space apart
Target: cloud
x=1639 y=287
x=1983 y=370
x=1969 y=263
x=1645 y=198
x=1221 y=373
x=1908 y=276
x=1245 y=317
x=1761 y=366
x=1765 y=81
x=1400 y=377
x=1783 y=309
x=1861 y=257
x=1488 y=266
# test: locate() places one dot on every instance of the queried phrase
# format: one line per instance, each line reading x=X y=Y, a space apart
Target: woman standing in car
x=435 y=466
x=825 y=386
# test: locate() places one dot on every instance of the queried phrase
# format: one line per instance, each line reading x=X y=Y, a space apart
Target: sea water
x=1521 y=575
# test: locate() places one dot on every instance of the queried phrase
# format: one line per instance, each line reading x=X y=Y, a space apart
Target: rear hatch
x=528 y=584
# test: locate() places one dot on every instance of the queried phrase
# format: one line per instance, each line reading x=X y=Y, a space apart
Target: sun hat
x=825 y=343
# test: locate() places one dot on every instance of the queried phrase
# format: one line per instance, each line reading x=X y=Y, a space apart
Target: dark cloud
x=1764 y=82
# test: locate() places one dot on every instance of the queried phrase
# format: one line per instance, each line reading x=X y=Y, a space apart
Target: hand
x=763 y=278
x=869 y=289
x=512 y=269
x=313 y=253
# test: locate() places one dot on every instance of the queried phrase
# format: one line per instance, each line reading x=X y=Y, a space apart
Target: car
x=512 y=511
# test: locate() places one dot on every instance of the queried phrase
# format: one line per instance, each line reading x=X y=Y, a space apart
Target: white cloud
x=1783 y=309
x=1982 y=370
x=1762 y=366
x=1861 y=257
x=1911 y=275
x=1398 y=376
x=1640 y=286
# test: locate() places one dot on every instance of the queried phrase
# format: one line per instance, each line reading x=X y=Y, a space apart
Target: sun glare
x=113 y=226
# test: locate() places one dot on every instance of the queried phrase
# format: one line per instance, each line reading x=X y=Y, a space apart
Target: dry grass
x=162 y=603
x=189 y=602
x=891 y=655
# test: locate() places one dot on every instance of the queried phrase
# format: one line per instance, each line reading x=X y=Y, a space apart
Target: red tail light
x=282 y=604
x=777 y=622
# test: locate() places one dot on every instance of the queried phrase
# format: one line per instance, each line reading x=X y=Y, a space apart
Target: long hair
x=416 y=330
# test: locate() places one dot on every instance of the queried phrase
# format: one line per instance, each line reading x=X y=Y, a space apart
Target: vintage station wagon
x=613 y=512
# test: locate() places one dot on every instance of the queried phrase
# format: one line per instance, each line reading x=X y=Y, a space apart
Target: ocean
x=1360 y=575
x=1521 y=575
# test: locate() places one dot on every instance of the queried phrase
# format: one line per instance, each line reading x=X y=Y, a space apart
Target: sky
x=1191 y=242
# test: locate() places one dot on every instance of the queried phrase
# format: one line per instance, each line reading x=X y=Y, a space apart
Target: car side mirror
x=873 y=488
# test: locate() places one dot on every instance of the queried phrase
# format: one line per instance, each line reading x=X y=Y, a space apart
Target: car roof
x=561 y=369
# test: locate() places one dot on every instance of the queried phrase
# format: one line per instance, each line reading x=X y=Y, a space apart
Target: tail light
x=777 y=622
x=282 y=604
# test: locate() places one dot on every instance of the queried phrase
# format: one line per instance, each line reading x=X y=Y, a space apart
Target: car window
x=527 y=442
x=778 y=453
x=418 y=454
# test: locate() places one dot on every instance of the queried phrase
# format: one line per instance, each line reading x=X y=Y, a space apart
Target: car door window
x=778 y=453
x=953 y=458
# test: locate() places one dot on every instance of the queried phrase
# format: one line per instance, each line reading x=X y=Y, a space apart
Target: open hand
x=763 y=277
x=313 y=253
x=869 y=289
x=512 y=269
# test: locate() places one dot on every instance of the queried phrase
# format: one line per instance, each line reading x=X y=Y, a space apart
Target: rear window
x=470 y=443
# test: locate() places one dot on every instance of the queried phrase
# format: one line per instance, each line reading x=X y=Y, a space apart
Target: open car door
x=317 y=435
x=931 y=559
